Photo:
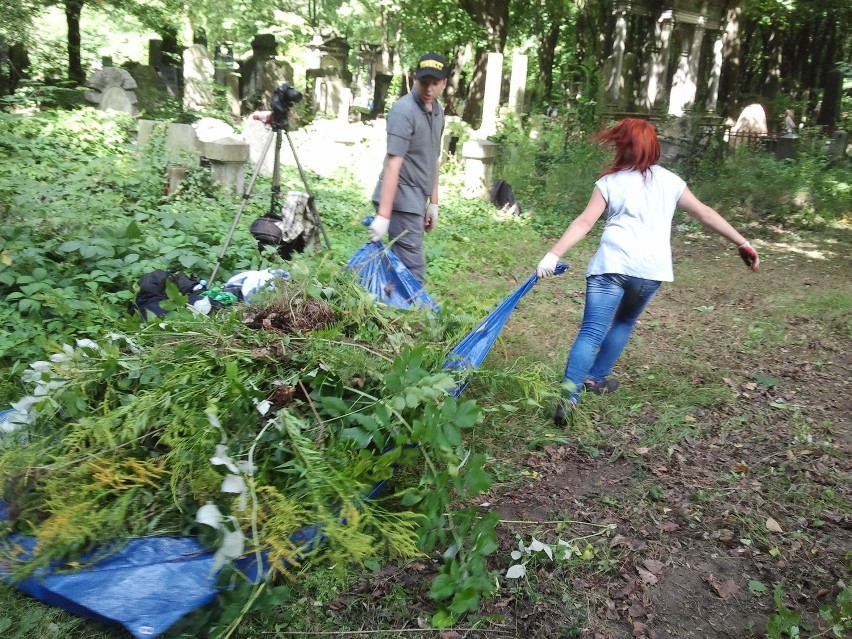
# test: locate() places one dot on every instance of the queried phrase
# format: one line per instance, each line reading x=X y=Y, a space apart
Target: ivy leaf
x=358 y=435
x=755 y=586
x=476 y=479
x=443 y=619
x=442 y=587
x=133 y=232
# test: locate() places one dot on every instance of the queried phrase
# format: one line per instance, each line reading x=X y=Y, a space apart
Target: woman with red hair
x=634 y=255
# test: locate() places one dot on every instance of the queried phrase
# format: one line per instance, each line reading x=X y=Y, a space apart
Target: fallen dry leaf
x=655 y=567
x=450 y=634
x=773 y=526
x=648 y=578
x=725 y=589
x=643 y=450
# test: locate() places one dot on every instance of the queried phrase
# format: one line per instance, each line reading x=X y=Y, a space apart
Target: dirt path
x=755 y=492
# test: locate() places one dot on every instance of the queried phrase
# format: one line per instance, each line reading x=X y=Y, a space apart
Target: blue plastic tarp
x=150 y=583
x=471 y=351
x=385 y=276
x=146 y=586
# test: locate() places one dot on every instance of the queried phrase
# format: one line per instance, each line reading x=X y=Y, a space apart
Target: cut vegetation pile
x=245 y=427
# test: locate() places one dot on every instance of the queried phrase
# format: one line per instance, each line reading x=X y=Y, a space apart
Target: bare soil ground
x=745 y=492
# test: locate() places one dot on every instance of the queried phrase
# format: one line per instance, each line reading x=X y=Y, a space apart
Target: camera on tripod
x=292 y=226
x=283 y=99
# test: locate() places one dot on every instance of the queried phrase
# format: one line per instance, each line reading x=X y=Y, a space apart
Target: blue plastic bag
x=385 y=276
x=471 y=351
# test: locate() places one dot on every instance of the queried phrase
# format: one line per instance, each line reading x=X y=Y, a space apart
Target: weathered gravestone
x=117 y=99
x=750 y=126
x=197 y=78
x=112 y=88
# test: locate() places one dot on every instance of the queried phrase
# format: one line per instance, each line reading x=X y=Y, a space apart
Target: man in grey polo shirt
x=409 y=178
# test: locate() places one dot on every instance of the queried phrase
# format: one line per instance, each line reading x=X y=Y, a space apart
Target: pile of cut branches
x=244 y=428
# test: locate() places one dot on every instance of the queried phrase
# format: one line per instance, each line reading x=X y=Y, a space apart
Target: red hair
x=636 y=145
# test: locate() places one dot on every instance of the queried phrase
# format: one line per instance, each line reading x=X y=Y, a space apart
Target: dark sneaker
x=563 y=411
x=600 y=388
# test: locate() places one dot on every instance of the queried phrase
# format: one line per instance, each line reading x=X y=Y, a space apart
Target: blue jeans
x=613 y=304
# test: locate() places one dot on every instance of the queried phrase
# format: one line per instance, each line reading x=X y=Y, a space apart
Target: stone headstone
x=751 y=120
x=197 y=78
x=491 y=97
x=155 y=52
x=180 y=138
x=837 y=145
x=273 y=73
x=117 y=99
x=518 y=83
x=750 y=126
x=257 y=135
x=107 y=77
x=264 y=46
x=227 y=157
x=786 y=147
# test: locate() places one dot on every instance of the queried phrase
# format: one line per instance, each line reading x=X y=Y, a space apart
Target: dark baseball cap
x=433 y=65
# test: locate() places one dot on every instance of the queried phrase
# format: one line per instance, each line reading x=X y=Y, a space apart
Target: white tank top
x=637 y=237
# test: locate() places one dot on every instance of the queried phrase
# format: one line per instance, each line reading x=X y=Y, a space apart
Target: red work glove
x=749 y=255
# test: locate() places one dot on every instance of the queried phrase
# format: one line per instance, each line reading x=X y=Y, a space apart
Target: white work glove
x=379 y=228
x=431 y=217
x=547 y=266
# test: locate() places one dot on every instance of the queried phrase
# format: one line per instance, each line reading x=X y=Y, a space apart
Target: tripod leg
x=242 y=206
x=311 y=205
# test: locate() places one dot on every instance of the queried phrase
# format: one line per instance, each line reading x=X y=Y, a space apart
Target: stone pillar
x=175 y=173
x=479 y=156
x=227 y=162
x=491 y=99
x=661 y=95
x=344 y=104
x=680 y=80
x=715 y=74
x=613 y=84
x=232 y=94
x=691 y=86
x=628 y=82
x=518 y=84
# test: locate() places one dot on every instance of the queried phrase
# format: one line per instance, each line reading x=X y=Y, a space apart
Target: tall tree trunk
x=493 y=15
x=476 y=90
x=546 y=54
x=73 y=9
x=455 y=90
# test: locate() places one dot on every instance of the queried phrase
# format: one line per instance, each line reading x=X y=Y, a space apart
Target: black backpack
x=503 y=197
x=152 y=291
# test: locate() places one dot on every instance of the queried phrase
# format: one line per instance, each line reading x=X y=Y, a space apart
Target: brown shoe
x=608 y=385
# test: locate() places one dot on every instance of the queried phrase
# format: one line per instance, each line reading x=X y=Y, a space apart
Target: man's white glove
x=547 y=266
x=431 y=217
x=379 y=228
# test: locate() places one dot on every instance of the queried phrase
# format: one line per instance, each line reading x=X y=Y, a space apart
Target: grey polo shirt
x=415 y=134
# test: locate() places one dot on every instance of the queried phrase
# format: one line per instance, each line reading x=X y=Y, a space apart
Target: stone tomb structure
x=328 y=75
x=666 y=57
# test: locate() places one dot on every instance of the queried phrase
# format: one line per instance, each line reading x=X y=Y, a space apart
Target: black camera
x=283 y=98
